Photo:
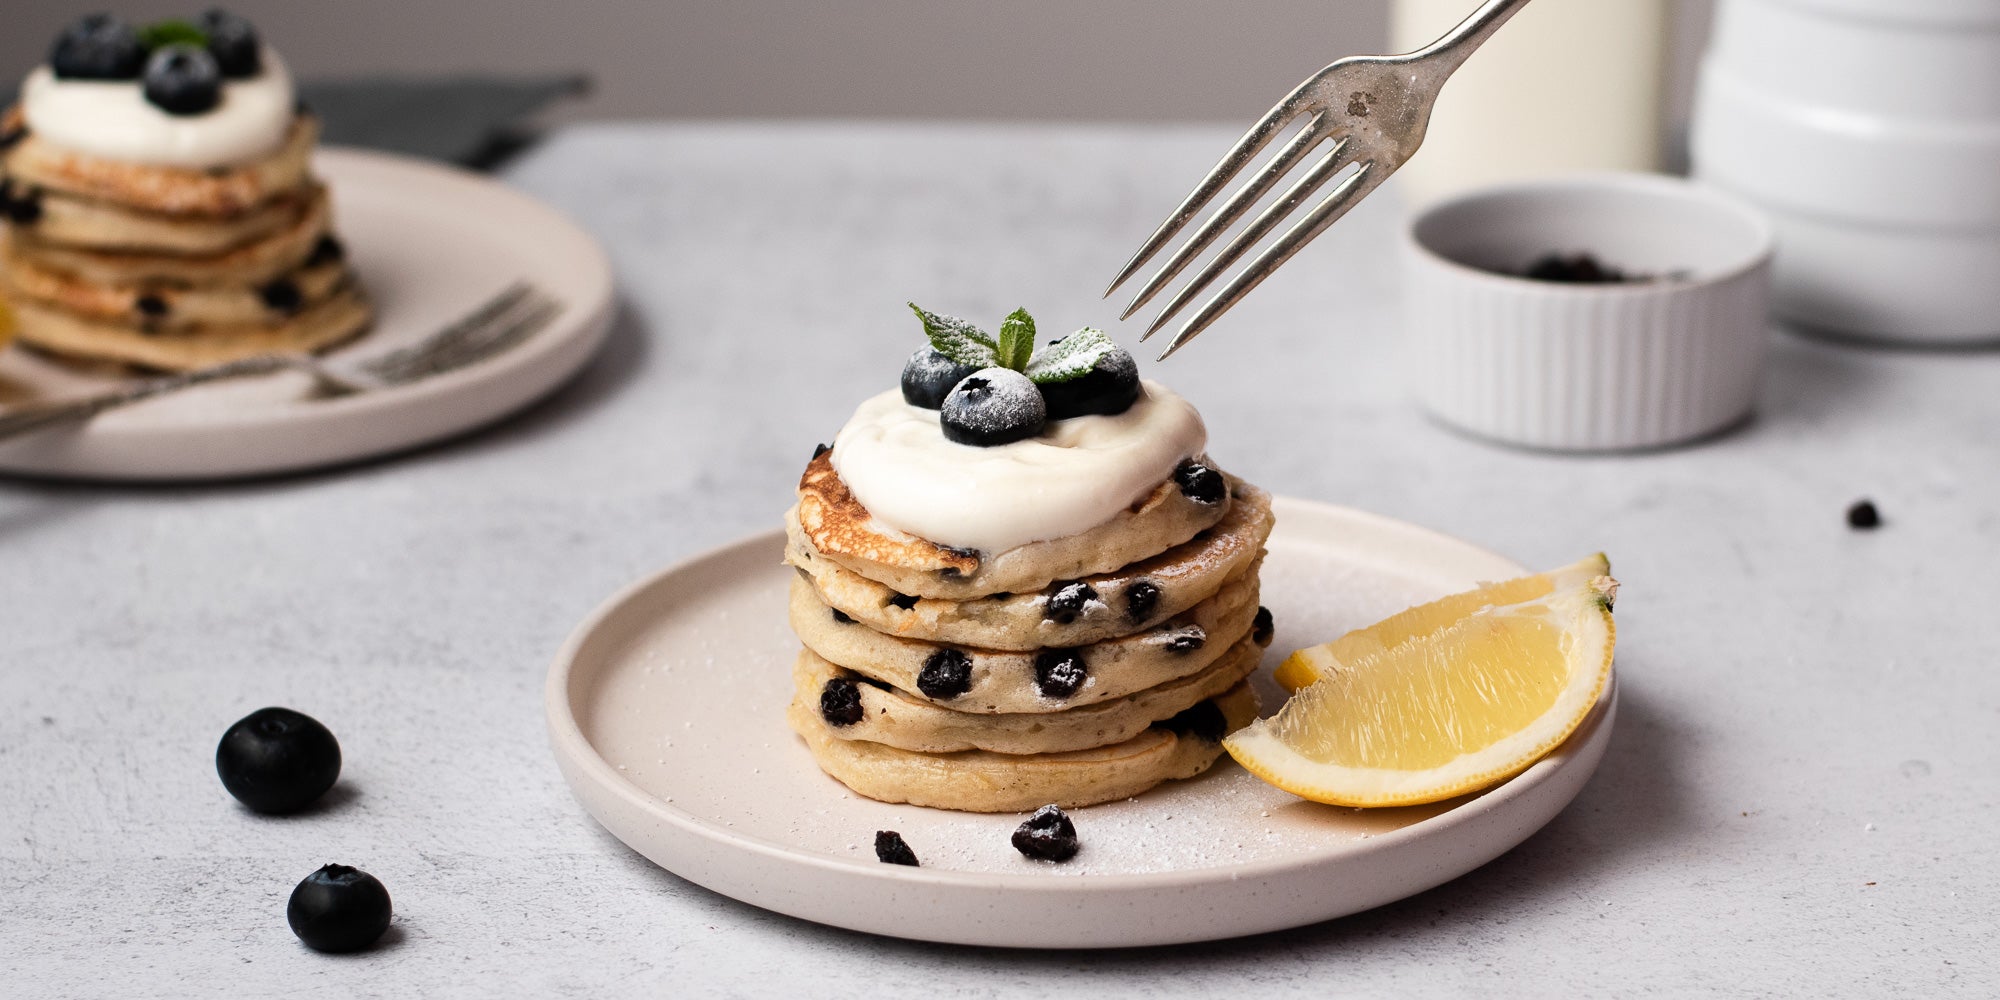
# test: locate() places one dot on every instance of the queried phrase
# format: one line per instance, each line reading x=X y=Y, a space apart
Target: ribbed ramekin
x=1588 y=367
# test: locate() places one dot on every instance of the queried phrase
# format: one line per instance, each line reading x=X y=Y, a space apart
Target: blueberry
x=1863 y=516
x=1067 y=603
x=929 y=376
x=98 y=47
x=1140 y=600
x=820 y=449
x=840 y=702
x=183 y=80
x=1204 y=721
x=1048 y=835
x=993 y=406
x=21 y=207
x=233 y=43
x=1111 y=386
x=1187 y=640
x=282 y=296
x=1201 y=483
x=275 y=760
x=1262 y=629
x=150 y=306
x=1059 y=672
x=329 y=249
x=904 y=601
x=947 y=674
x=842 y=617
x=891 y=850
x=339 y=908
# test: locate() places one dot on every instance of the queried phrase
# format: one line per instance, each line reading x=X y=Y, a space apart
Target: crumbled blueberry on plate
x=1048 y=835
x=891 y=850
x=1863 y=516
x=275 y=760
x=339 y=908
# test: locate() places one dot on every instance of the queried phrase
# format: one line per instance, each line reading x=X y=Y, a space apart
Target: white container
x=1869 y=130
x=1565 y=85
x=1588 y=367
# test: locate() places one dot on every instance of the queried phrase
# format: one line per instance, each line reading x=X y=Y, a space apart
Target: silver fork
x=1373 y=109
x=494 y=326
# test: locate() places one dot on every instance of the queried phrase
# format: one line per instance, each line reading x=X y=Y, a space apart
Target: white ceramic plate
x=666 y=710
x=430 y=242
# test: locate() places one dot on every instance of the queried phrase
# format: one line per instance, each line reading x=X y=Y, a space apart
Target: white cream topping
x=1076 y=475
x=112 y=119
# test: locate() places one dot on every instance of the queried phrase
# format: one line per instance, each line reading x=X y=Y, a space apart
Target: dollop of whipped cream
x=112 y=119
x=1076 y=475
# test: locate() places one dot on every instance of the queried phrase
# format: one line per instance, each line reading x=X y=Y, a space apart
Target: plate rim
x=580 y=759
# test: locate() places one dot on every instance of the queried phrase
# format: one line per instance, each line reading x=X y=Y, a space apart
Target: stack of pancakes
x=1077 y=670
x=168 y=267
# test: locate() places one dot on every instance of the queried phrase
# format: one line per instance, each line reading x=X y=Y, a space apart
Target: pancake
x=982 y=781
x=1128 y=599
x=1006 y=682
x=841 y=529
x=253 y=264
x=158 y=307
x=33 y=164
x=85 y=223
x=339 y=317
x=908 y=722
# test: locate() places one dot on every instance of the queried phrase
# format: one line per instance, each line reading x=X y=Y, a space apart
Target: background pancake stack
x=170 y=267
x=1074 y=671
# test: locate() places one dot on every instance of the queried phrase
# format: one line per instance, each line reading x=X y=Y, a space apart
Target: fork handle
x=1450 y=51
x=17 y=421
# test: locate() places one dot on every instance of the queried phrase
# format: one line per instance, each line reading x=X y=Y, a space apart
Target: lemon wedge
x=1307 y=665
x=1442 y=699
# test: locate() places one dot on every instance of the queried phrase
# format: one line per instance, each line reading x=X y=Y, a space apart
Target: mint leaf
x=1017 y=340
x=958 y=340
x=160 y=34
x=1071 y=357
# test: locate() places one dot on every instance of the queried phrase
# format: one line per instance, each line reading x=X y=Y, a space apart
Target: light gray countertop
x=1800 y=796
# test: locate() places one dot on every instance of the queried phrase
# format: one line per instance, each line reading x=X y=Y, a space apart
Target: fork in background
x=497 y=324
x=1373 y=109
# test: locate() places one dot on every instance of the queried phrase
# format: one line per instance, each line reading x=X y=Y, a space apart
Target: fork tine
x=484 y=315
x=1325 y=214
x=1232 y=210
x=1232 y=163
x=494 y=338
x=1311 y=181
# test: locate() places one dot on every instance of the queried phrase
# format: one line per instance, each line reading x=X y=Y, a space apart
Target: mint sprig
x=161 y=34
x=1069 y=358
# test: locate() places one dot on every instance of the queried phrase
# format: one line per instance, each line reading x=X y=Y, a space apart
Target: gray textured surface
x=1799 y=798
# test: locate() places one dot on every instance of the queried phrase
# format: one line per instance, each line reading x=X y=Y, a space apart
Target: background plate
x=666 y=710
x=430 y=242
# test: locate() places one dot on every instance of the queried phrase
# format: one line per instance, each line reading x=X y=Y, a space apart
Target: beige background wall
x=996 y=59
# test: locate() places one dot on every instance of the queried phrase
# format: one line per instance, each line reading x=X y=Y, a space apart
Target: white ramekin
x=1588 y=367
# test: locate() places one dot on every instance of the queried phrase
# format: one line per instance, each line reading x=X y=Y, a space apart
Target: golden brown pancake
x=34 y=164
x=89 y=224
x=333 y=320
x=249 y=265
x=155 y=306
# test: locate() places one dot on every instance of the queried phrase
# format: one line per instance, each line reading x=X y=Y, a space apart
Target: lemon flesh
x=1307 y=665
x=1446 y=711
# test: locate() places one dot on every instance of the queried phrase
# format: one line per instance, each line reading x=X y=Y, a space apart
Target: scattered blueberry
x=1140 y=600
x=1262 y=629
x=1111 y=386
x=947 y=674
x=22 y=207
x=1204 y=720
x=150 y=306
x=339 y=908
x=842 y=617
x=275 y=760
x=98 y=47
x=1067 y=603
x=1201 y=483
x=840 y=702
x=1059 y=672
x=993 y=406
x=1577 y=269
x=891 y=850
x=1863 y=516
x=1187 y=640
x=928 y=377
x=1048 y=835
x=233 y=43
x=183 y=80
x=282 y=296
x=329 y=249
x=904 y=601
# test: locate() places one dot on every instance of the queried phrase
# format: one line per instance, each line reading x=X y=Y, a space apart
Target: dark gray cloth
x=472 y=121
